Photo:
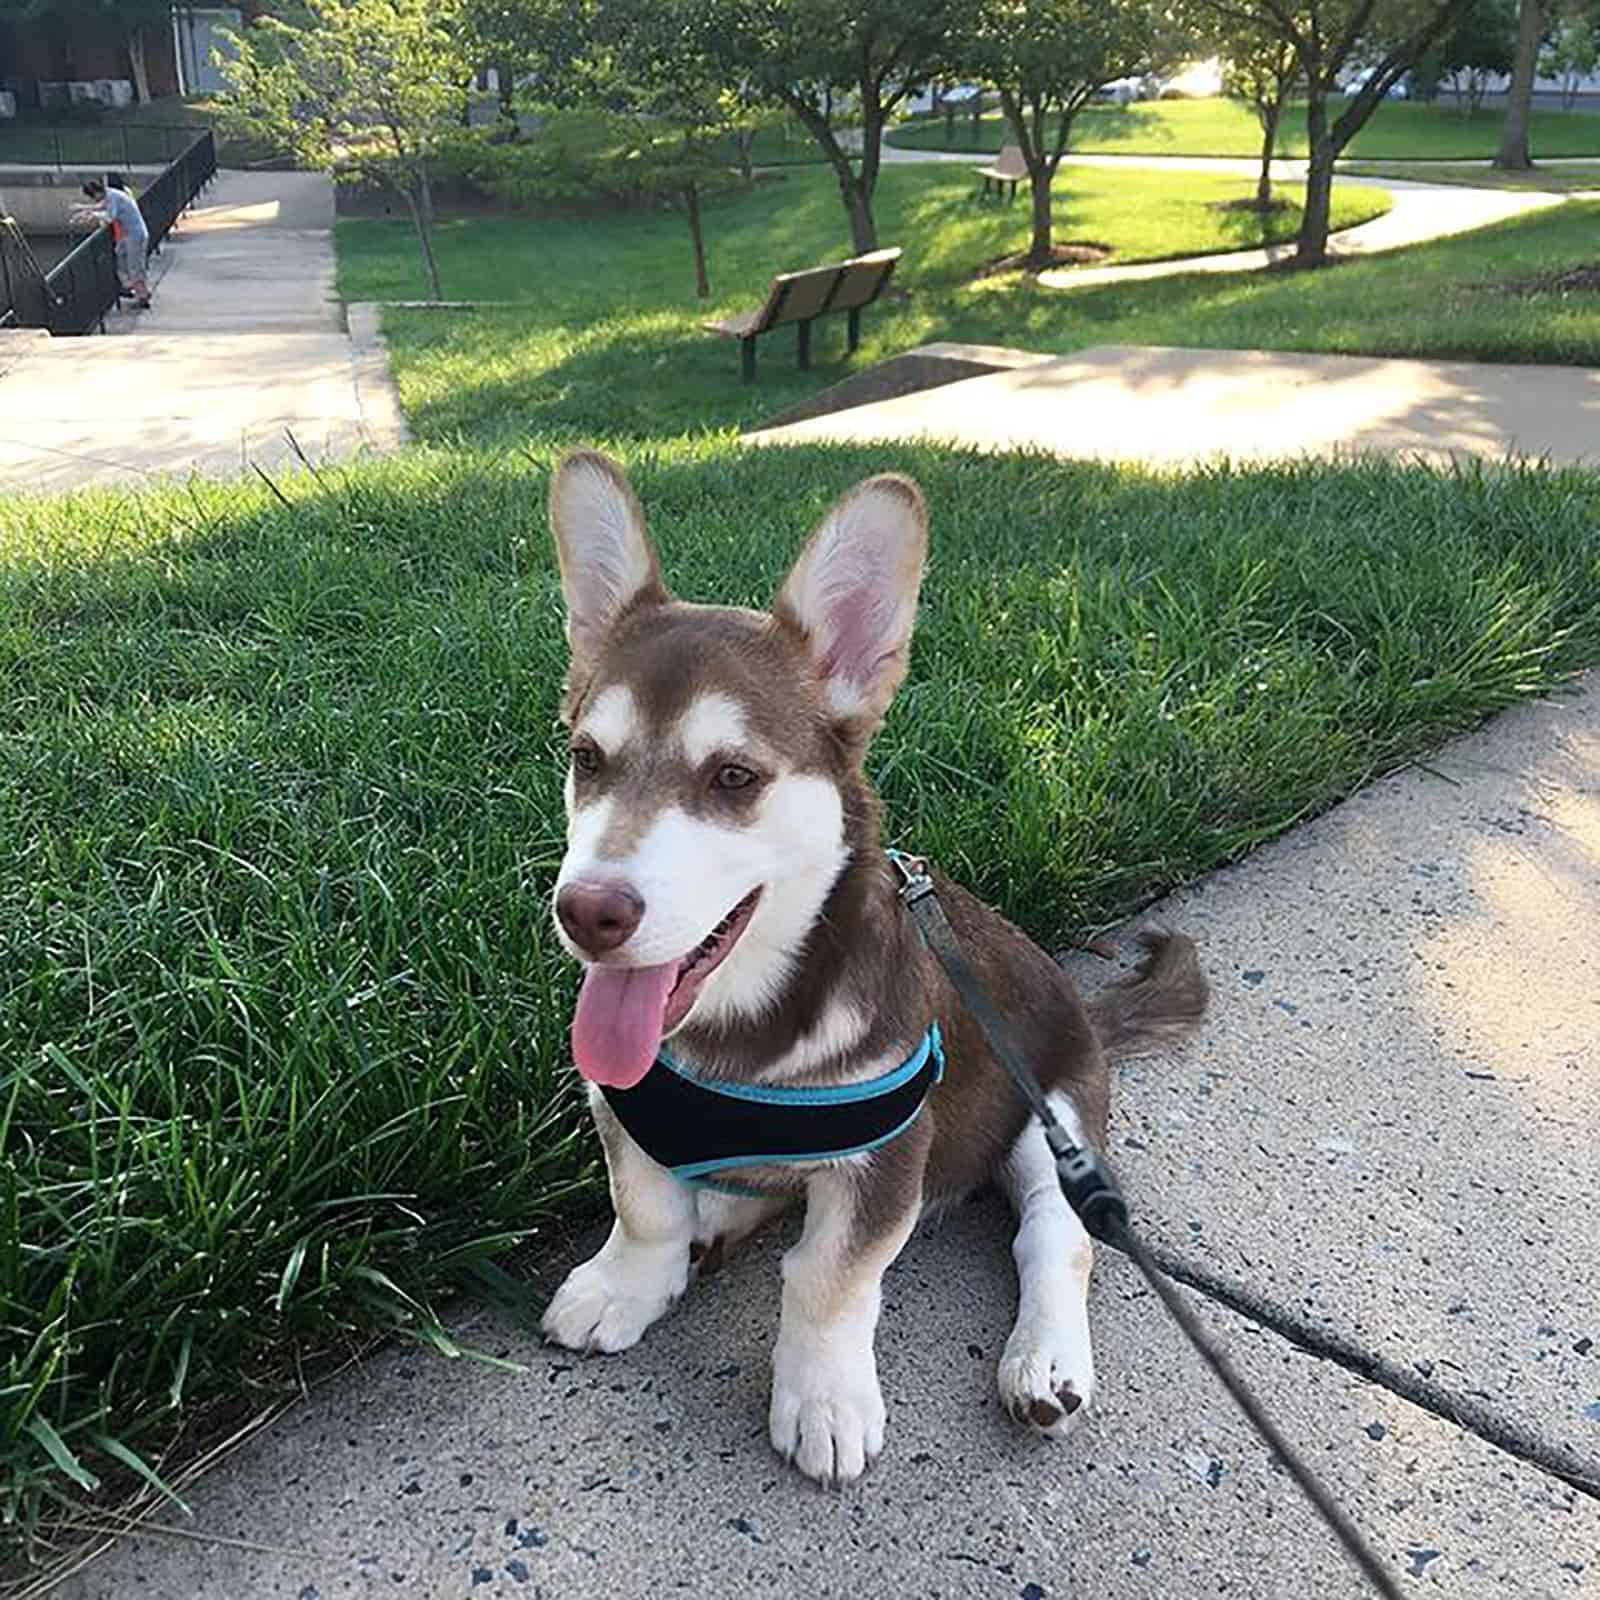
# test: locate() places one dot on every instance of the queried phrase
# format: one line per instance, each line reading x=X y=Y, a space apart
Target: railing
x=168 y=197
x=74 y=296
x=24 y=298
x=133 y=144
x=83 y=285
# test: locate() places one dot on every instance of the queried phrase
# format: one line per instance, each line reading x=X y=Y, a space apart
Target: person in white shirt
x=121 y=210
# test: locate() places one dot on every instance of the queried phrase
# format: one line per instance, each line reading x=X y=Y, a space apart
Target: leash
x=1091 y=1190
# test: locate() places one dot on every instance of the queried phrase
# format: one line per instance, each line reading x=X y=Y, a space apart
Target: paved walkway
x=1420 y=212
x=245 y=347
x=1175 y=407
x=1382 y=1145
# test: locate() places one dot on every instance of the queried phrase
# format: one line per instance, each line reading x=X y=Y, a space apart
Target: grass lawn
x=1575 y=176
x=283 y=1025
x=610 y=299
x=613 y=347
x=1221 y=127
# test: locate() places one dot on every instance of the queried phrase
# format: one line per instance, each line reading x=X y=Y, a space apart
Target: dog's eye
x=734 y=777
x=585 y=760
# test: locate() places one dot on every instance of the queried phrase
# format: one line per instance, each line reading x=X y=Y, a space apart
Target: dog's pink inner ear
x=854 y=593
x=861 y=633
x=607 y=560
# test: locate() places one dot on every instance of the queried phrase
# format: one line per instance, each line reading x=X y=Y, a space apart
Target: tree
x=1572 y=53
x=658 y=59
x=833 y=62
x=139 y=20
x=1513 y=155
x=1329 y=37
x=1261 y=70
x=525 y=40
x=1479 y=46
x=363 y=89
x=1046 y=58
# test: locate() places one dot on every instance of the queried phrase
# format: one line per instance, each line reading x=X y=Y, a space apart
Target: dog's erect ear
x=853 y=593
x=607 y=561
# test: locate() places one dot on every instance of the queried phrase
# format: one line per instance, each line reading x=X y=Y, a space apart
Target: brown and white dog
x=725 y=886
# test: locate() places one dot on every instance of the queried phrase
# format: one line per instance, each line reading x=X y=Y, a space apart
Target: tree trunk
x=1311 y=247
x=422 y=221
x=863 y=225
x=743 y=143
x=856 y=195
x=425 y=188
x=1042 y=247
x=1514 y=156
x=1269 y=141
x=691 y=205
x=871 y=147
x=141 y=66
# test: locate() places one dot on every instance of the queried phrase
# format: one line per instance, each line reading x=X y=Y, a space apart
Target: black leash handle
x=1091 y=1190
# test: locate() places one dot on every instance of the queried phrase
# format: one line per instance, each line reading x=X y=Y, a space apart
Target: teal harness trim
x=842 y=1094
x=697 y=1126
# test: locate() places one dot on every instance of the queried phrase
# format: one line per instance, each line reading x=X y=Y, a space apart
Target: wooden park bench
x=802 y=297
x=1008 y=168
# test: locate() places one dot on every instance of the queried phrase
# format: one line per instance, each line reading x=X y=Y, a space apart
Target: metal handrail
x=83 y=285
x=24 y=296
x=125 y=144
x=74 y=296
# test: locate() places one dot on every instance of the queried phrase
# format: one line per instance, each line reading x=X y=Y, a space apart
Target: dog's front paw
x=827 y=1412
x=608 y=1302
x=1047 y=1378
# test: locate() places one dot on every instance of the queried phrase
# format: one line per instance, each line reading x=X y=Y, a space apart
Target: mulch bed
x=1571 y=280
x=1078 y=253
x=1250 y=204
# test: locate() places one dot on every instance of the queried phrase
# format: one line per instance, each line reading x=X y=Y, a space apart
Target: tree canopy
x=1046 y=59
x=362 y=89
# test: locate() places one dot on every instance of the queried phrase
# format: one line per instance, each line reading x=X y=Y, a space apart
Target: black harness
x=696 y=1127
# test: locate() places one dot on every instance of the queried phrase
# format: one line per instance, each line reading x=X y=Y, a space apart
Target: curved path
x=1421 y=211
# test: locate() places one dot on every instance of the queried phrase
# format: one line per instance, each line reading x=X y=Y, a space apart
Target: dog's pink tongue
x=616 y=1028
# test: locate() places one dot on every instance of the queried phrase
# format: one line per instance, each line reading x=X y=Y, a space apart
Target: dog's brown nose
x=599 y=916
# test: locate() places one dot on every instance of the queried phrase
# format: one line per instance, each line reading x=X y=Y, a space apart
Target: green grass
x=614 y=346
x=1397 y=131
x=1578 y=176
x=611 y=299
x=284 y=1025
x=1444 y=300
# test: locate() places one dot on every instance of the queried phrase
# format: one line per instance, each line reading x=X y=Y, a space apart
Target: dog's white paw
x=1046 y=1378
x=827 y=1412
x=608 y=1302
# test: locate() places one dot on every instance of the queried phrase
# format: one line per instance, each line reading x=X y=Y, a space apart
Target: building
x=62 y=60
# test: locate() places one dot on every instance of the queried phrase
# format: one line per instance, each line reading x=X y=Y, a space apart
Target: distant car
x=1400 y=90
x=1124 y=91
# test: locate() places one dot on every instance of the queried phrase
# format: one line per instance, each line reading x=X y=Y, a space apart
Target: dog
x=726 y=890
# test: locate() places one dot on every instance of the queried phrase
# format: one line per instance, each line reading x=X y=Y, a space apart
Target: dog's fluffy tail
x=1163 y=1000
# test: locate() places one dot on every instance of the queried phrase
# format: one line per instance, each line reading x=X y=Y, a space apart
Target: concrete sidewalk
x=244 y=359
x=1381 y=1145
x=1420 y=212
x=1170 y=407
